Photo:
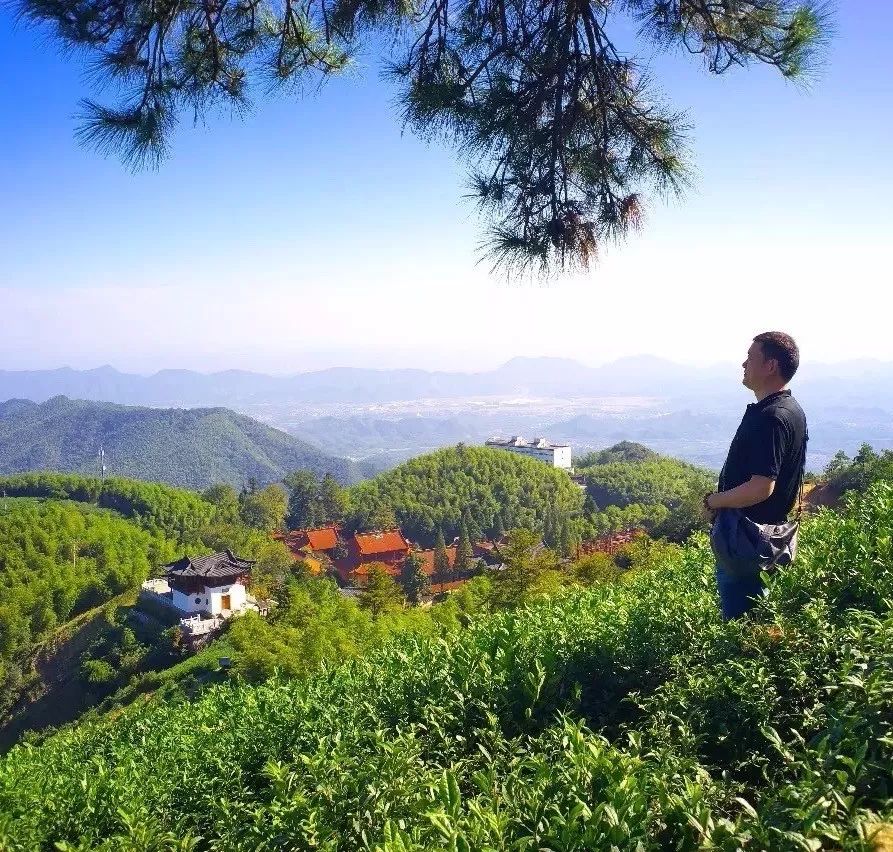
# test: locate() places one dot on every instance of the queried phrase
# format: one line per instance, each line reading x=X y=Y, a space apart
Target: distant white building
x=556 y=455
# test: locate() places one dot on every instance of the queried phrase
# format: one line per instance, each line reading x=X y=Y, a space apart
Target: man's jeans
x=737 y=594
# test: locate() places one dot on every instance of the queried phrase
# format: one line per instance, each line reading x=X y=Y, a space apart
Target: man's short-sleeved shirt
x=771 y=441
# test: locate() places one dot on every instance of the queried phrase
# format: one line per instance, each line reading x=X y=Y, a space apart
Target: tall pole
x=101 y=462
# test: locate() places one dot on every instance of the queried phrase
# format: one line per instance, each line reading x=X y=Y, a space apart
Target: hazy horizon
x=446 y=362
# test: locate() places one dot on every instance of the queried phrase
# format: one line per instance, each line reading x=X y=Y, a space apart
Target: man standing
x=764 y=469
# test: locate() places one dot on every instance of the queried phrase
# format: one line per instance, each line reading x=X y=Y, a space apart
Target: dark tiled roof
x=223 y=564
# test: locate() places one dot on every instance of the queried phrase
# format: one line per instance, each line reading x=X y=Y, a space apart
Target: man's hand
x=708 y=513
x=755 y=490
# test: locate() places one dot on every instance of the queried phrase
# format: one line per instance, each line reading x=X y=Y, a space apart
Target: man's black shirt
x=771 y=441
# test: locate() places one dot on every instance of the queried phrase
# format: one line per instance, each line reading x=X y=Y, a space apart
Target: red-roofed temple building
x=358 y=551
x=308 y=544
x=318 y=540
x=387 y=547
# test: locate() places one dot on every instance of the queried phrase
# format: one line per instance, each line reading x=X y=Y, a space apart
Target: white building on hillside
x=556 y=455
x=213 y=585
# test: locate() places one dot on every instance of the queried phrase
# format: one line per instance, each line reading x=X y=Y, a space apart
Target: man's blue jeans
x=737 y=594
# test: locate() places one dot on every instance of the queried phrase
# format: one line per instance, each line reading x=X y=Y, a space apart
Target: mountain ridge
x=641 y=375
x=186 y=447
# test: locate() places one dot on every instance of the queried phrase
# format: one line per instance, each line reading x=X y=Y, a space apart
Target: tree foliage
x=432 y=492
x=529 y=570
x=662 y=495
x=856 y=474
x=464 y=555
x=624 y=451
x=380 y=593
x=313 y=502
x=624 y=715
x=57 y=559
x=564 y=129
x=265 y=508
x=173 y=512
x=441 y=569
x=314 y=624
x=414 y=581
x=225 y=499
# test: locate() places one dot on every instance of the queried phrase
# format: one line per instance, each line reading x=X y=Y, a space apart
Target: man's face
x=757 y=369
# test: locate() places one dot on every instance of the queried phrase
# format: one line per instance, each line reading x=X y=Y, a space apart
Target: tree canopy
x=57 y=559
x=629 y=485
x=856 y=474
x=174 y=512
x=433 y=492
x=563 y=129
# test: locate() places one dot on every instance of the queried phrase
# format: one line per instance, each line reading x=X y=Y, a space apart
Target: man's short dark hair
x=781 y=348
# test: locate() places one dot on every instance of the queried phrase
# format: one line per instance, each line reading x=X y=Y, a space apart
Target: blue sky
x=316 y=232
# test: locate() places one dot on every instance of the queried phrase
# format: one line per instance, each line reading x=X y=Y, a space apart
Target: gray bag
x=744 y=548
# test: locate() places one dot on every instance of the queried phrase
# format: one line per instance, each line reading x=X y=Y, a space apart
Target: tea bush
x=626 y=716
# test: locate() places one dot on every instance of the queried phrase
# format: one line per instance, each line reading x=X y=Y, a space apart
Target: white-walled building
x=556 y=455
x=213 y=585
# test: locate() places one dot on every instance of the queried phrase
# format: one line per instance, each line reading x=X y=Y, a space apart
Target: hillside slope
x=191 y=448
x=433 y=491
x=627 y=717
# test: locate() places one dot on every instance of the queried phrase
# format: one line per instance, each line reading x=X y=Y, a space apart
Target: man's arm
x=768 y=445
x=755 y=490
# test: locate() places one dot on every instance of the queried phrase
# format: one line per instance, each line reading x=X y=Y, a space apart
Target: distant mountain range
x=186 y=447
x=558 y=377
x=386 y=416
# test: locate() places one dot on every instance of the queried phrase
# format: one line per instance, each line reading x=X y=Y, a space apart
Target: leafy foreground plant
x=624 y=717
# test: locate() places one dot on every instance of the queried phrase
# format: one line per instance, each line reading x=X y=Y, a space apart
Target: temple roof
x=322 y=538
x=214 y=565
x=385 y=541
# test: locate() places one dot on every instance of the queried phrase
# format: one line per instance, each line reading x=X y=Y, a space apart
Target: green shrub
x=624 y=716
x=96 y=672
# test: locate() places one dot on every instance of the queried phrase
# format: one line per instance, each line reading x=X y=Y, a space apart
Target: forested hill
x=489 y=489
x=192 y=448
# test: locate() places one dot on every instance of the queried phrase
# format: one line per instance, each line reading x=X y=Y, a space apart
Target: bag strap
x=802 y=477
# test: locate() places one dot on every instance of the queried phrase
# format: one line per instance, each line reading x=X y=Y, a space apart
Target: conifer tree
x=303 y=500
x=590 y=507
x=414 y=581
x=498 y=528
x=471 y=527
x=441 y=573
x=464 y=556
x=568 y=541
x=565 y=130
x=550 y=529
